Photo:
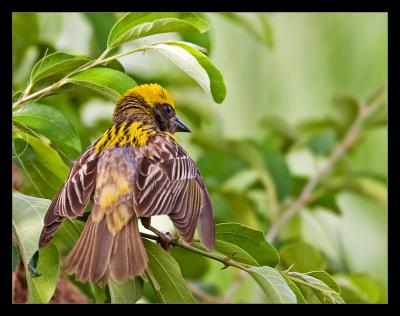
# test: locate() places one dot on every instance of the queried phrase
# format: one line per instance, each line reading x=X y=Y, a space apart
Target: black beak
x=179 y=126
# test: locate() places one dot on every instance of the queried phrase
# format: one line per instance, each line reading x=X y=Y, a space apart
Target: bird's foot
x=165 y=240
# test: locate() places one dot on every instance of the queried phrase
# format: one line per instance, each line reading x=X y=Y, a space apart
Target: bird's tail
x=98 y=254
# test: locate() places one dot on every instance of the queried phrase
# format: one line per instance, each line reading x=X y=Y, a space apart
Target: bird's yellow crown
x=152 y=93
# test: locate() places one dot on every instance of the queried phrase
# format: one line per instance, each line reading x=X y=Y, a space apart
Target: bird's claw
x=165 y=241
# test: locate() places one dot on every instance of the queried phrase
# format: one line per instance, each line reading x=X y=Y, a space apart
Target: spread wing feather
x=168 y=182
x=71 y=199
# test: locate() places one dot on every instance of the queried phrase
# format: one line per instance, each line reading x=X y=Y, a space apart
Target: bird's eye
x=168 y=109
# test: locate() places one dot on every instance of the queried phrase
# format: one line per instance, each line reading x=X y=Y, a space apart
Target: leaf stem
x=348 y=141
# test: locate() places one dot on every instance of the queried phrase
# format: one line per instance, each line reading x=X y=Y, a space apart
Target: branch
x=349 y=139
x=25 y=97
x=225 y=260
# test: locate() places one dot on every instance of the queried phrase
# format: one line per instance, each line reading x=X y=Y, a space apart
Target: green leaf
x=140 y=24
x=267 y=30
x=45 y=154
x=274 y=285
x=323 y=142
x=303 y=256
x=25 y=33
x=217 y=167
x=245 y=245
x=48 y=122
x=277 y=167
x=101 y=23
x=328 y=201
x=15 y=257
x=196 y=65
x=346 y=108
x=261 y=31
x=324 y=293
x=113 y=64
x=96 y=293
x=42 y=288
x=326 y=278
x=108 y=82
x=168 y=283
x=56 y=66
x=299 y=296
x=127 y=292
x=37 y=179
x=280 y=126
x=192 y=265
x=27 y=220
x=359 y=288
x=240 y=206
x=202 y=40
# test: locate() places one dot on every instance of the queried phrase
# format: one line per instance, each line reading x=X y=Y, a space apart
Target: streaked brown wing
x=167 y=182
x=71 y=199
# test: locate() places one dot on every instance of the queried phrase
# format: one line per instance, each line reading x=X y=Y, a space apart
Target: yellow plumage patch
x=151 y=93
x=109 y=195
x=136 y=134
x=173 y=136
x=123 y=186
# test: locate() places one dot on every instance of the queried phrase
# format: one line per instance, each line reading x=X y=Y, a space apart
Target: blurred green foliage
x=294 y=85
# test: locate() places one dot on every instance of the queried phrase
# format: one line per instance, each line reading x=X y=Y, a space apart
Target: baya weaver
x=136 y=169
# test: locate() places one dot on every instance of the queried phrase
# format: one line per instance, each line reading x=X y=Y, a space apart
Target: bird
x=135 y=170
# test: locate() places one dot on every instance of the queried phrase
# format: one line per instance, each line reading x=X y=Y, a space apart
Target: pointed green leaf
x=299 y=296
x=140 y=24
x=128 y=292
x=324 y=293
x=56 y=65
x=192 y=265
x=94 y=292
x=245 y=245
x=45 y=154
x=326 y=278
x=360 y=288
x=165 y=270
x=260 y=31
x=197 y=65
x=101 y=24
x=42 y=288
x=27 y=221
x=108 y=82
x=15 y=257
x=302 y=255
x=274 y=285
x=48 y=122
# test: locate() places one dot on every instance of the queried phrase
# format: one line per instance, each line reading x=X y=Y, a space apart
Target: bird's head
x=150 y=103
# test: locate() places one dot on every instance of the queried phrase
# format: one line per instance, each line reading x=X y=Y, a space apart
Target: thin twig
x=90 y=64
x=351 y=136
x=225 y=260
